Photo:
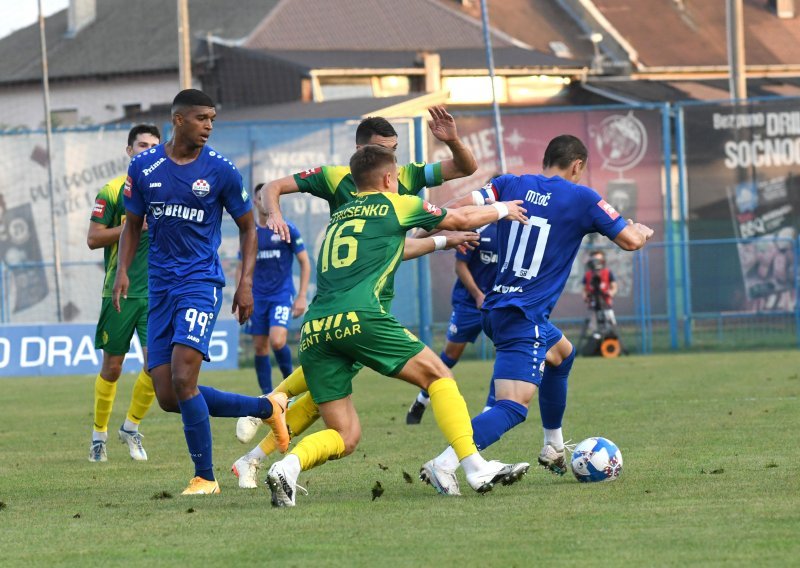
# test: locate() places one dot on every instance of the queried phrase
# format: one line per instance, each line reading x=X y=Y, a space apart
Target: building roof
x=359 y=25
x=538 y=23
x=126 y=37
x=464 y=58
x=683 y=33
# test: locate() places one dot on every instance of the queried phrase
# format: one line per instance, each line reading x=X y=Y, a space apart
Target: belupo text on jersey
x=193 y=214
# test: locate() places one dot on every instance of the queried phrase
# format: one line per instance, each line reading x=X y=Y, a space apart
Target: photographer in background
x=599 y=289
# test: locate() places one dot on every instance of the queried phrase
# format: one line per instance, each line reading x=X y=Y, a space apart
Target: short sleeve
x=297 y=243
x=322 y=181
x=415 y=177
x=602 y=215
x=132 y=193
x=492 y=191
x=413 y=212
x=234 y=195
x=105 y=205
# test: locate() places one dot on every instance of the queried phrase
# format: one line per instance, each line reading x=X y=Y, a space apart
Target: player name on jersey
x=360 y=211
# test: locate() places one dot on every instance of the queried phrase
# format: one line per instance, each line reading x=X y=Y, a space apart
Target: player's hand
x=144 y=223
x=442 y=124
x=479 y=300
x=299 y=307
x=646 y=231
x=515 y=211
x=242 y=303
x=121 y=284
x=462 y=240
x=277 y=225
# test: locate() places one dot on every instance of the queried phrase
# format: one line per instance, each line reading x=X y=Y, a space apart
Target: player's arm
x=271 y=202
x=444 y=240
x=463 y=273
x=443 y=127
x=301 y=301
x=128 y=243
x=248 y=245
x=100 y=235
x=633 y=236
x=474 y=216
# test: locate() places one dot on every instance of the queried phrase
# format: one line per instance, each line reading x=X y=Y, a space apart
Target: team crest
x=201 y=188
x=275 y=238
x=157 y=209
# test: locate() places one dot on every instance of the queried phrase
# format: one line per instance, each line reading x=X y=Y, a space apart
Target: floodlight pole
x=184 y=46
x=737 y=78
x=498 y=125
x=49 y=138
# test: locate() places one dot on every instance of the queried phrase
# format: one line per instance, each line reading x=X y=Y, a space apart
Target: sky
x=16 y=14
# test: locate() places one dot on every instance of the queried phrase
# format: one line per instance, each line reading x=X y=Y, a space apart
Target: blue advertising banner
x=68 y=349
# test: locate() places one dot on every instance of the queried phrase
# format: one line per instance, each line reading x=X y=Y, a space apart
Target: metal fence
x=723 y=274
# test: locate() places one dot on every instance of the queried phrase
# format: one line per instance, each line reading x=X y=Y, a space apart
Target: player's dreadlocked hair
x=190 y=98
x=371 y=126
x=368 y=161
x=563 y=150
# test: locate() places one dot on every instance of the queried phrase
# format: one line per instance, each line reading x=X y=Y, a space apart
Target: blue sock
x=197 y=430
x=553 y=393
x=447 y=360
x=489 y=426
x=231 y=405
x=264 y=373
x=284 y=358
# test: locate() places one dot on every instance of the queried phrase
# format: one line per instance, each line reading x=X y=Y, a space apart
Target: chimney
x=785 y=9
x=433 y=72
x=80 y=14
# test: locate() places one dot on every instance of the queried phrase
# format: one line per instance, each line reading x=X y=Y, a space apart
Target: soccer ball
x=596 y=459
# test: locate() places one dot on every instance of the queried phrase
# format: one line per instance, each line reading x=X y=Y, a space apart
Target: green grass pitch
x=710 y=446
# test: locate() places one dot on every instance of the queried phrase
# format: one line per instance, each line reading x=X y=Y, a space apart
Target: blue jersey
x=536 y=257
x=273 y=273
x=482 y=265
x=183 y=205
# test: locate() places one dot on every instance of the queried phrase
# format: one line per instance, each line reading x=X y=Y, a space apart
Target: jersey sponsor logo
x=183 y=212
x=266 y=254
x=201 y=188
x=157 y=209
x=99 y=208
x=431 y=208
x=310 y=172
x=127 y=188
x=610 y=211
x=507 y=289
x=155 y=184
x=151 y=169
x=489 y=257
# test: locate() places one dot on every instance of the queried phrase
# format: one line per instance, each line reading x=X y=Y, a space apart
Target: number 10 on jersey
x=520 y=240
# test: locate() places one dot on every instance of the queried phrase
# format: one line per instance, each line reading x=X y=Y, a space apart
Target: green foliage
x=711 y=477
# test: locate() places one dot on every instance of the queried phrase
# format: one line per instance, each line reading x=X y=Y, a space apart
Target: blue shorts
x=465 y=325
x=521 y=344
x=268 y=312
x=184 y=314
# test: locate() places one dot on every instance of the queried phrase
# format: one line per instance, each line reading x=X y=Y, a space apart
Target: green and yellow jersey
x=363 y=248
x=335 y=185
x=109 y=210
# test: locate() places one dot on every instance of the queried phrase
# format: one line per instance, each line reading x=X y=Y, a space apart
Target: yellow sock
x=294 y=384
x=142 y=398
x=452 y=416
x=319 y=447
x=301 y=414
x=104 y=393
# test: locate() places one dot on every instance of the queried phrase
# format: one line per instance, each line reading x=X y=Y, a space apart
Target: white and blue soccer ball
x=596 y=459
